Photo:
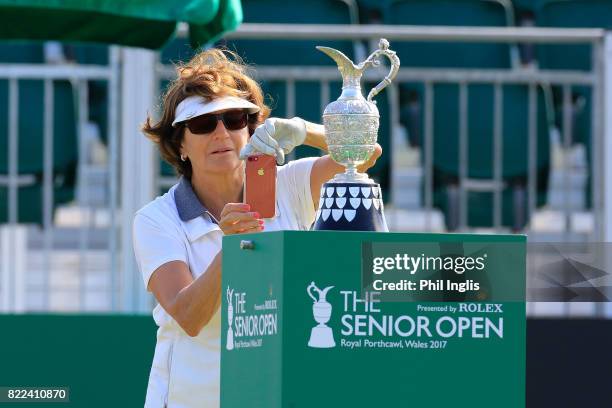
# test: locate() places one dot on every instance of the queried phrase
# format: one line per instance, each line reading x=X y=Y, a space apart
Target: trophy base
x=350 y=206
x=321 y=337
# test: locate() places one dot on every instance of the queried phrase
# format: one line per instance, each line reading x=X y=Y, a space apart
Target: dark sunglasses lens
x=202 y=124
x=235 y=120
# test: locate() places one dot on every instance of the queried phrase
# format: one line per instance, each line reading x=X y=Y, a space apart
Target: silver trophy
x=351 y=200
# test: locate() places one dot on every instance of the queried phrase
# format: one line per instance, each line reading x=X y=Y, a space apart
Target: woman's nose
x=220 y=131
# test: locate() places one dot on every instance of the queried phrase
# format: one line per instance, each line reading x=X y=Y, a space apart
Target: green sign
x=303 y=325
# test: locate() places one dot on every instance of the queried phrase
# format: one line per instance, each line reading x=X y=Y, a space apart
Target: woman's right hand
x=276 y=137
x=237 y=219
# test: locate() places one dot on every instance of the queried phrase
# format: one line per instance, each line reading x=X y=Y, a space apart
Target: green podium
x=364 y=319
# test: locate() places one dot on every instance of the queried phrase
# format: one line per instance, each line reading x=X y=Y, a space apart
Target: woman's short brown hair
x=212 y=73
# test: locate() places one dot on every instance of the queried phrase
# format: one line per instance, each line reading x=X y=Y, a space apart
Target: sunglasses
x=232 y=120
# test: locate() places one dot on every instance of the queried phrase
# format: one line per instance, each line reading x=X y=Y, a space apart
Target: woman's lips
x=222 y=151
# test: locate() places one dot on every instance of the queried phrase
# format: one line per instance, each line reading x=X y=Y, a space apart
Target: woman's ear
x=181 y=151
x=182 y=143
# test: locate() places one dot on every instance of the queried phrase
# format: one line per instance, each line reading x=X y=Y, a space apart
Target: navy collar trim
x=187 y=203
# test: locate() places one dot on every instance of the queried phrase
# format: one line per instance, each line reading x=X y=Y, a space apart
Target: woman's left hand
x=276 y=137
x=372 y=160
x=236 y=218
x=324 y=168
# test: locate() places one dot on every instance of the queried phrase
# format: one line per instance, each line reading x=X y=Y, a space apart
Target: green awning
x=138 y=23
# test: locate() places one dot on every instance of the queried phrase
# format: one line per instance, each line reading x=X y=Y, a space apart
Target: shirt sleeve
x=295 y=181
x=155 y=245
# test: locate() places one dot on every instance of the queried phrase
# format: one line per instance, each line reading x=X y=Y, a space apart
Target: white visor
x=197 y=105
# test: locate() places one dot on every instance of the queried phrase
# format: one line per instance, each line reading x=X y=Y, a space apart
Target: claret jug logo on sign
x=230 y=319
x=321 y=336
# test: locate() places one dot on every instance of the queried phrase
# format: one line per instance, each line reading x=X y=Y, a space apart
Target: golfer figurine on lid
x=351 y=200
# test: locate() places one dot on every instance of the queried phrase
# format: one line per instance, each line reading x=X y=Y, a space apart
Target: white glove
x=276 y=137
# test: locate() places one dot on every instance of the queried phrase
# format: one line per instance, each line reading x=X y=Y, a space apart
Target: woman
x=212 y=113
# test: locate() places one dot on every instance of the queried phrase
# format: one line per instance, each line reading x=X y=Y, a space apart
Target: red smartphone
x=260 y=184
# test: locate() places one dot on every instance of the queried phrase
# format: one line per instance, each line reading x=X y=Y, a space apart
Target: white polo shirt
x=185 y=371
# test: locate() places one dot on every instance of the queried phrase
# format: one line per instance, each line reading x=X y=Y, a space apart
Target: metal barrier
x=33 y=254
x=122 y=287
x=529 y=77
